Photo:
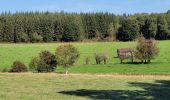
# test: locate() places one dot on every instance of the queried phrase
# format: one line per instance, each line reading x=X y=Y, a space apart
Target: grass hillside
x=24 y=52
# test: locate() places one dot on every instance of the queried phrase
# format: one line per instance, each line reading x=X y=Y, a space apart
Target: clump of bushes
x=33 y=64
x=45 y=62
x=66 y=55
x=101 y=57
x=18 y=66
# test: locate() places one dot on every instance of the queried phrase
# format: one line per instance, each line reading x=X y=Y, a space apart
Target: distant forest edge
x=66 y=27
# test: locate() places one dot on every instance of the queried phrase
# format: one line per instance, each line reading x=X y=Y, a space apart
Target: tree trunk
x=121 y=61
x=149 y=60
x=66 y=70
x=145 y=61
x=132 y=59
x=104 y=61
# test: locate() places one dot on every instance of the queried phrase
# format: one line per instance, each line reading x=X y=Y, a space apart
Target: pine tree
x=129 y=30
x=89 y=25
x=18 y=29
x=111 y=32
x=150 y=28
x=1 y=30
x=71 y=32
x=162 y=28
x=8 y=29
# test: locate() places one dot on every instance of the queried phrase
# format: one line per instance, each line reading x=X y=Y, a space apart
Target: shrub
x=105 y=57
x=87 y=60
x=66 y=55
x=18 y=66
x=146 y=49
x=46 y=62
x=99 y=57
x=33 y=64
x=43 y=67
x=5 y=70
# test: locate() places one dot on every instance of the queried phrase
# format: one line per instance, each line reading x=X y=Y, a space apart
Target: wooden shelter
x=125 y=53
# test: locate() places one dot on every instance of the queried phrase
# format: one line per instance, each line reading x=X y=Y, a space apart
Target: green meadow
x=24 y=53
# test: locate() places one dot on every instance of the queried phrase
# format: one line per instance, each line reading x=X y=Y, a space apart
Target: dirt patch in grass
x=94 y=75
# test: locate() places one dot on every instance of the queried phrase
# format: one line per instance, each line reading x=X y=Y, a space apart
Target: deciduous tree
x=66 y=55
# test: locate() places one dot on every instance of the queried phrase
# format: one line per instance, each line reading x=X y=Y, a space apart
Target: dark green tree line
x=62 y=26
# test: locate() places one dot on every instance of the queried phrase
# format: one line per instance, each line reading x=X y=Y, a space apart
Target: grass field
x=24 y=52
x=83 y=87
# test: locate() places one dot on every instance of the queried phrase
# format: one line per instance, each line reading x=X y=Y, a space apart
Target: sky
x=113 y=6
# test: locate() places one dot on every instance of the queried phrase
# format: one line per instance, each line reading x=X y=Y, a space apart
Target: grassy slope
x=82 y=87
x=24 y=52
